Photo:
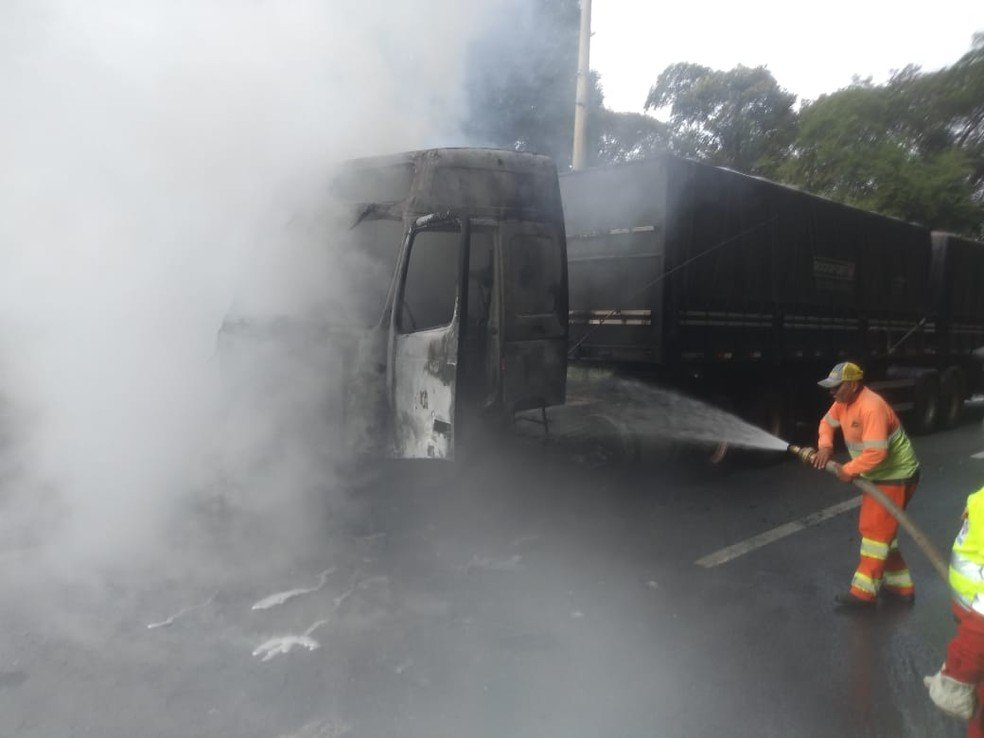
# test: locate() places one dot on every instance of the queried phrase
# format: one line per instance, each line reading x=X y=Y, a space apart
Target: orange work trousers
x=881 y=563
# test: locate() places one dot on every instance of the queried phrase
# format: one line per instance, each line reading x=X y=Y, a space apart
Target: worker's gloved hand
x=843 y=475
x=822 y=456
x=952 y=697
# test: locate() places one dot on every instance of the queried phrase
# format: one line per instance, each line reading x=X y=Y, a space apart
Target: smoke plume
x=163 y=163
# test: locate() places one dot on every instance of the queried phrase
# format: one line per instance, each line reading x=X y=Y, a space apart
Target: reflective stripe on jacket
x=967 y=559
x=879 y=447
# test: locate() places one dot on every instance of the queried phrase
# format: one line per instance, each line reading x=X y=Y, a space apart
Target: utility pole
x=579 y=156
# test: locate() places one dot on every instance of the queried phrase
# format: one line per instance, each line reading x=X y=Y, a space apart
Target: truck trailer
x=744 y=292
x=475 y=277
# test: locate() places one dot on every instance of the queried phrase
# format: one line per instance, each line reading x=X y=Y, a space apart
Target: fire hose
x=807 y=456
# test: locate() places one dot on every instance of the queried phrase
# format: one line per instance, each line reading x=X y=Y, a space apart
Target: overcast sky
x=811 y=48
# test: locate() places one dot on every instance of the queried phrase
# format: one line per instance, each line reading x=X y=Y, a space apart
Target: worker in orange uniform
x=958 y=687
x=881 y=453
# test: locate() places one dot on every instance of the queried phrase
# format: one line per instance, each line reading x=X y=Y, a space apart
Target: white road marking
x=978 y=455
x=787 y=529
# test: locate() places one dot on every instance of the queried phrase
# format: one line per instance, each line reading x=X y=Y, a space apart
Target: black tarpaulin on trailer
x=752 y=269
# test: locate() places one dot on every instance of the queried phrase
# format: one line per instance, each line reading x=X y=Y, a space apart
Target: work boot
x=847 y=601
x=905 y=599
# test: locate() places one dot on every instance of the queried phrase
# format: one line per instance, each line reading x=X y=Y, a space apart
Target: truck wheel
x=926 y=400
x=953 y=392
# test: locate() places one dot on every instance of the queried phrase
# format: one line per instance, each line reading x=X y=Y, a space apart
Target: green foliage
x=838 y=137
x=629 y=136
x=945 y=109
x=913 y=148
x=740 y=118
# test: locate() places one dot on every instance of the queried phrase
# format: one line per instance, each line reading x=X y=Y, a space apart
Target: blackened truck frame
x=476 y=315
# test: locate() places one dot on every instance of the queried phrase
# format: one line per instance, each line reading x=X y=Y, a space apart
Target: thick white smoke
x=159 y=158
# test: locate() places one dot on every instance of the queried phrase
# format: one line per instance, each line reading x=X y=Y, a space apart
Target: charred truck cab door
x=533 y=360
x=425 y=331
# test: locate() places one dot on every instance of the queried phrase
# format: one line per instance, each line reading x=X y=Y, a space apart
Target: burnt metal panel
x=534 y=373
x=503 y=192
x=534 y=268
x=505 y=185
x=425 y=365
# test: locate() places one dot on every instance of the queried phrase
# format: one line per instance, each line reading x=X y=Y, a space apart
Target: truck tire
x=926 y=401
x=953 y=392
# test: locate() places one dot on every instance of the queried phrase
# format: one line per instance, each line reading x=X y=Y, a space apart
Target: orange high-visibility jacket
x=879 y=447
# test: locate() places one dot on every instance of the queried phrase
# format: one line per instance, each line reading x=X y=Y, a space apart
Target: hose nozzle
x=803 y=453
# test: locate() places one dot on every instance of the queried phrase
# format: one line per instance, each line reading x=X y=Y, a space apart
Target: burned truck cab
x=474 y=324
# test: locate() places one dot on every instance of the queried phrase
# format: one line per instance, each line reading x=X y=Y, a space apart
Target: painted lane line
x=787 y=529
x=978 y=455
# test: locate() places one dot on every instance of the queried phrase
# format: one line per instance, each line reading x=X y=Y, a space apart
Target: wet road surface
x=531 y=594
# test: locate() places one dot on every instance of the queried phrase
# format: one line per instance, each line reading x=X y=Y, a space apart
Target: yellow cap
x=843 y=372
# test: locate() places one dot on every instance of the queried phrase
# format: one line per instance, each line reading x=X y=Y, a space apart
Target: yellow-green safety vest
x=901 y=462
x=967 y=559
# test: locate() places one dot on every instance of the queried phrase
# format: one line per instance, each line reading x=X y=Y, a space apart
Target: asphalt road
x=532 y=593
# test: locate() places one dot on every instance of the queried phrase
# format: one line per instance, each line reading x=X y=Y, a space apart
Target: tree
x=741 y=118
x=912 y=148
x=630 y=136
x=945 y=109
x=522 y=81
